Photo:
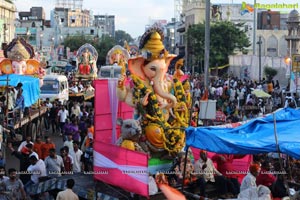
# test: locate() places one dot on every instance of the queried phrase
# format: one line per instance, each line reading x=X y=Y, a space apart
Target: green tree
x=103 y=46
x=270 y=72
x=121 y=36
x=74 y=42
x=225 y=38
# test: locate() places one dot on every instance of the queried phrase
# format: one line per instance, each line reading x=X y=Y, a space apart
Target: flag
x=121 y=167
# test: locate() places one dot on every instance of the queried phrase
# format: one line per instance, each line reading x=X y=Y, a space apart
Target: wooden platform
x=81 y=96
x=34 y=113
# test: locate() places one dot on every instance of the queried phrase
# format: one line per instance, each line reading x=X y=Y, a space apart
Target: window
x=105 y=73
x=50 y=87
x=269 y=18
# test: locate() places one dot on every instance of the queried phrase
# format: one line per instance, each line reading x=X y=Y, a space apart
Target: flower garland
x=151 y=115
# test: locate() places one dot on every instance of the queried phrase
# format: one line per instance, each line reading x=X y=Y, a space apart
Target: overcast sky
x=130 y=15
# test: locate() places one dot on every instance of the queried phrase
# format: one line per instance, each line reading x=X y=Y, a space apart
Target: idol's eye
x=153 y=68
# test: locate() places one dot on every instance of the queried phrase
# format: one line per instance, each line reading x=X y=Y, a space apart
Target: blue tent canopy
x=256 y=136
x=31 y=86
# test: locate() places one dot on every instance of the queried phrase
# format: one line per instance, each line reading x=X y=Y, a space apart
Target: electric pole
x=259 y=57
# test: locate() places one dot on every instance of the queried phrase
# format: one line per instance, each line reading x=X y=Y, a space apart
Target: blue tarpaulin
x=31 y=86
x=256 y=136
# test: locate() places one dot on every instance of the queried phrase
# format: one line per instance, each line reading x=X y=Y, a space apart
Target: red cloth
x=265 y=178
x=37 y=147
x=45 y=149
x=225 y=164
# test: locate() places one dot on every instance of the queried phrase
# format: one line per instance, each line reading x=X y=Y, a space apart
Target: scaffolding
x=70 y=4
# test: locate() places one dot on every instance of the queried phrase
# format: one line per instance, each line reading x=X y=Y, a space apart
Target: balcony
x=292 y=37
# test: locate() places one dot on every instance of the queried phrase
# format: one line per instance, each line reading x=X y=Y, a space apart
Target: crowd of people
x=235 y=99
x=265 y=179
x=42 y=159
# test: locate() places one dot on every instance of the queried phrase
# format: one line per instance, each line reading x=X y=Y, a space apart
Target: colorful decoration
x=160 y=102
x=20 y=60
x=119 y=56
x=87 y=57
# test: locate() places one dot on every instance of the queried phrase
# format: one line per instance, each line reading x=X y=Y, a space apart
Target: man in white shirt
x=75 y=109
x=205 y=172
x=17 y=89
x=23 y=144
x=37 y=170
x=249 y=181
x=69 y=143
x=68 y=193
x=76 y=155
x=74 y=88
x=63 y=114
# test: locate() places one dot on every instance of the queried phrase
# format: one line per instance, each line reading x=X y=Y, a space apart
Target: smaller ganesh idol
x=19 y=59
x=87 y=57
x=118 y=55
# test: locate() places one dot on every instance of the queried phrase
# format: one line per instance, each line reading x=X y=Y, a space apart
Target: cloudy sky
x=130 y=15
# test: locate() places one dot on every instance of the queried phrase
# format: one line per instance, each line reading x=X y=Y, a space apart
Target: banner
x=107 y=109
x=121 y=167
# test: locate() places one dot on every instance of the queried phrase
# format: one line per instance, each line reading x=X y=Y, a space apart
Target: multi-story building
x=7 y=20
x=30 y=25
x=106 y=23
x=70 y=18
x=41 y=33
x=193 y=12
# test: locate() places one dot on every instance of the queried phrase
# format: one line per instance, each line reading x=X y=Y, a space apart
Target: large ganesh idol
x=87 y=57
x=156 y=97
x=118 y=56
x=19 y=59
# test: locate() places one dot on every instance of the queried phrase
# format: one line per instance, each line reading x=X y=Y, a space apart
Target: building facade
x=106 y=23
x=70 y=18
x=7 y=22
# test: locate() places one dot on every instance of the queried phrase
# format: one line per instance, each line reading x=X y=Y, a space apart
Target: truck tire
x=25 y=131
x=42 y=126
x=38 y=127
x=32 y=130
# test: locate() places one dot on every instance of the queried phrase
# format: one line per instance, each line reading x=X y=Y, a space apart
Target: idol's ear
x=135 y=66
x=168 y=60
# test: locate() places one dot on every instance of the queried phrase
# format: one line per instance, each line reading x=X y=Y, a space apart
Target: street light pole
x=41 y=41
x=28 y=33
x=259 y=57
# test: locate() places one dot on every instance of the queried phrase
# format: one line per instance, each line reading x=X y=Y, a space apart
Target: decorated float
x=86 y=72
x=87 y=57
x=116 y=63
x=19 y=59
x=154 y=110
x=20 y=66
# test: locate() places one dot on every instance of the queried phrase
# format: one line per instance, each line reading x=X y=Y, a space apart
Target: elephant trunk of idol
x=158 y=87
